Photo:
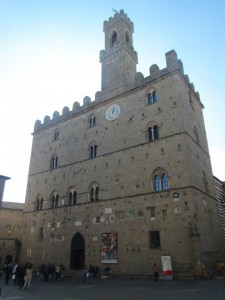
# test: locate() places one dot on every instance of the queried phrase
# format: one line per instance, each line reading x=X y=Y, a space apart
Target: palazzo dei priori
x=126 y=177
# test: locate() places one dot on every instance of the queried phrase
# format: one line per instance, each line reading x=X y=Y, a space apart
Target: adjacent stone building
x=125 y=178
x=11 y=232
x=11 y=224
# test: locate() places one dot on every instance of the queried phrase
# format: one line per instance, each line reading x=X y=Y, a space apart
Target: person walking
x=85 y=274
x=20 y=272
x=8 y=271
x=62 y=270
x=155 y=271
x=14 y=277
x=28 y=276
x=57 y=273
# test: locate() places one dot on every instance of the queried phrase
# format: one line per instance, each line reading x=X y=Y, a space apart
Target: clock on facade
x=112 y=112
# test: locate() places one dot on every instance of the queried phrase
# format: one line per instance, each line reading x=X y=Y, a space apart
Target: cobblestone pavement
x=117 y=289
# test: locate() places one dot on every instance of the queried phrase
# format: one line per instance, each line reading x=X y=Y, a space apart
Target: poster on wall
x=167 y=267
x=109 y=247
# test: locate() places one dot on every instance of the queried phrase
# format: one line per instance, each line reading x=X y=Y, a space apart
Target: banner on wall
x=109 y=247
x=167 y=267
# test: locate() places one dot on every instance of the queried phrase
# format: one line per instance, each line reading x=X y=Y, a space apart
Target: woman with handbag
x=28 y=276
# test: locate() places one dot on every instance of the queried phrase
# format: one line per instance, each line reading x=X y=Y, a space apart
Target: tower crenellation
x=172 y=64
x=116 y=24
x=65 y=111
x=154 y=71
x=171 y=60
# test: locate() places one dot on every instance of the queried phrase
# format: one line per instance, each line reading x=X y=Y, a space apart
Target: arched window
x=152 y=97
x=92 y=121
x=72 y=197
x=160 y=180
x=94 y=193
x=39 y=203
x=93 y=151
x=114 y=38
x=153 y=133
x=54 y=162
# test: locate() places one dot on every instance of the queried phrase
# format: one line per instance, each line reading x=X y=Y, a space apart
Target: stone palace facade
x=125 y=178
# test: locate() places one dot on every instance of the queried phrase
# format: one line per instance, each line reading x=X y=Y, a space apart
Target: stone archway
x=8 y=259
x=77 y=254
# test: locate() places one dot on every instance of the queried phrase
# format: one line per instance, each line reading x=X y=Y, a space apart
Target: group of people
x=91 y=271
x=94 y=271
x=21 y=274
x=51 y=271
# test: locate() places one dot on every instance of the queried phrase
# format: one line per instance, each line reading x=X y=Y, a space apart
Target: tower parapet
x=172 y=61
x=172 y=64
x=115 y=24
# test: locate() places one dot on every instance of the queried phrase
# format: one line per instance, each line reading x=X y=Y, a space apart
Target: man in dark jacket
x=8 y=271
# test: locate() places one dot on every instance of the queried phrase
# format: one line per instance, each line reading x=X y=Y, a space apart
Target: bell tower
x=119 y=58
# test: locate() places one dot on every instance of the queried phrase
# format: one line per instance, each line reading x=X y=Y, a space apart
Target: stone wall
x=11 y=233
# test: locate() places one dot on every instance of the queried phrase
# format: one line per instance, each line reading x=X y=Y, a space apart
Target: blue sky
x=49 y=58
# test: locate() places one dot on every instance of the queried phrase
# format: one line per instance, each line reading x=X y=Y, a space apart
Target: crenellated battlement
x=118 y=16
x=172 y=64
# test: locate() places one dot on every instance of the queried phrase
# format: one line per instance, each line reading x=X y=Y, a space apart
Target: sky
x=49 y=58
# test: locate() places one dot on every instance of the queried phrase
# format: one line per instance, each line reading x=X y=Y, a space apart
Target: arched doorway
x=8 y=259
x=77 y=254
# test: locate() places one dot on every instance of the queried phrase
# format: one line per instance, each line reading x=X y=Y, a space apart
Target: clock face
x=112 y=112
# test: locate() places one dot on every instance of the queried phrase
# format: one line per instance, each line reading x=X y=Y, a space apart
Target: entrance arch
x=77 y=254
x=8 y=259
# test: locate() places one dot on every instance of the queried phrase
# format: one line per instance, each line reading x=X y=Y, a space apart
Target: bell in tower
x=119 y=59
